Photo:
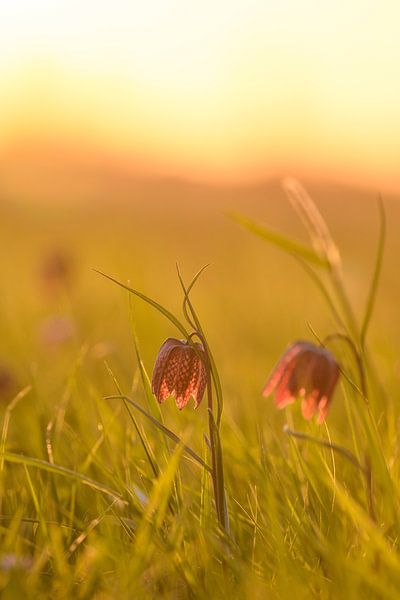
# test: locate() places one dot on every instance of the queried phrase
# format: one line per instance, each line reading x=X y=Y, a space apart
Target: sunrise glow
x=215 y=91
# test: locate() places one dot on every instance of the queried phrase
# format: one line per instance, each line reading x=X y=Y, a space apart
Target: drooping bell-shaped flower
x=308 y=372
x=180 y=372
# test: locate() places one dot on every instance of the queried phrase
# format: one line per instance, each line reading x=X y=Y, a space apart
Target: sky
x=217 y=91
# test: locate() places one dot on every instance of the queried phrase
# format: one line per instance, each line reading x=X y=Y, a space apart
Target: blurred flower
x=101 y=350
x=9 y=562
x=7 y=381
x=179 y=372
x=306 y=371
x=56 y=329
x=56 y=271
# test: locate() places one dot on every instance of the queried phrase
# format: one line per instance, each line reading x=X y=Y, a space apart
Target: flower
x=56 y=267
x=180 y=372
x=55 y=330
x=7 y=381
x=306 y=371
x=10 y=562
x=56 y=271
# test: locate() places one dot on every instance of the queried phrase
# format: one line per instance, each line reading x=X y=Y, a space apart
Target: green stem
x=357 y=357
x=376 y=275
x=213 y=424
x=337 y=282
x=216 y=449
x=212 y=447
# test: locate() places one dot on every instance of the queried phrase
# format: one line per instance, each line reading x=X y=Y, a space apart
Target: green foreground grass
x=98 y=502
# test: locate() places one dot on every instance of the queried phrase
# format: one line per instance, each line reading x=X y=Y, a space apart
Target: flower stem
x=337 y=282
x=213 y=423
x=216 y=454
x=357 y=357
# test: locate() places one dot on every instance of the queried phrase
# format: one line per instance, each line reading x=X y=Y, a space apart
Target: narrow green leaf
x=195 y=278
x=376 y=274
x=197 y=325
x=281 y=241
x=155 y=511
x=7 y=417
x=36 y=503
x=326 y=444
x=152 y=403
x=322 y=288
x=163 y=428
x=150 y=301
x=151 y=400
x=146 y=447
x=186 y=301
x=367 y=526
x=30 y=461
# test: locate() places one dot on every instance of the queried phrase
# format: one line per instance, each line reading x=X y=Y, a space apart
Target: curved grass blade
x=7 y=417
x=30 y=461
x=155 y=512
x=151 y=401
x=36 y=504
x=347 y=377
x=195 y=278
x=376 y=275
x=322 y=288
x=197 y=325
x=186 y=301
x=150 y=301
x=187 y=304
x=325 y=444
x=153 y=465
x=163 y=428
x=281 y=241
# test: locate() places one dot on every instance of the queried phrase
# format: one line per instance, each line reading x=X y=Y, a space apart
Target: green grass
x=102 y=500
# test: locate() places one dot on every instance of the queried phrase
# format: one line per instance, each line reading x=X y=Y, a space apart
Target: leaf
x=322 y=288
x=146 y=383
x=30 y=461
x=146 y=448
x=281 y=241
x=151 y=400
x=163 y=428
x=155 y=511
x=376 y=275
x=326 y=444
x=150 y=301
x=195 y=278
x=197 y=325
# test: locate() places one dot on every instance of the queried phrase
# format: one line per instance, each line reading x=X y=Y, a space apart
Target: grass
x=105 y=495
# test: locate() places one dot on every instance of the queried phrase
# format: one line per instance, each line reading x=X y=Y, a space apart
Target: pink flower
x=179 y=372
x=56 y=271
x=56 y=329
x=306 y=371
x=7 y=382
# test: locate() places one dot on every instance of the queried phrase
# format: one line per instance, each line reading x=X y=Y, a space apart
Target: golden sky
x=216 y=90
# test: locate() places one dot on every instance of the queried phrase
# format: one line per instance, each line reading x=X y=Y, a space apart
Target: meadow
x=97 y=499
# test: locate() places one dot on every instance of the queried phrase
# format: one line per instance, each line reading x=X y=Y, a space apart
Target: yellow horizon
x=216 y=92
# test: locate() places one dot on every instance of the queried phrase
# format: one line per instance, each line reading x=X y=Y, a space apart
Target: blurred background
x=128 y=132
x=222 y=92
